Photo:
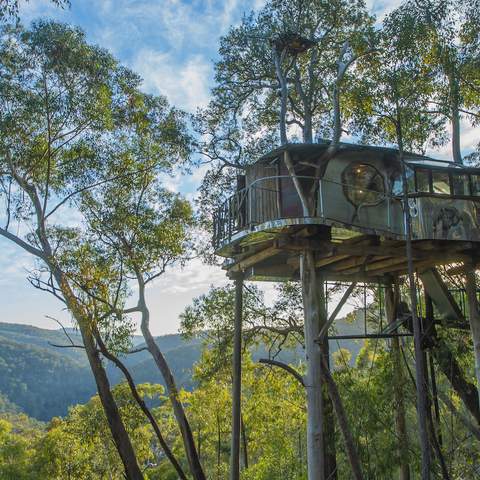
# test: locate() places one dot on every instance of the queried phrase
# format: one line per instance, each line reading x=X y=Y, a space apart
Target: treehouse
x=348 y=209
x=355 y=221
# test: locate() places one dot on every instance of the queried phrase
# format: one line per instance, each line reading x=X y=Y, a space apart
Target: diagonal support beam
x=334 y=314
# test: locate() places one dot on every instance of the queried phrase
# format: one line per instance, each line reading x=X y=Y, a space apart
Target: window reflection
x=475 y=184
x=460 y=184
x=363 y=184
x=441 y=183
x=423 y=180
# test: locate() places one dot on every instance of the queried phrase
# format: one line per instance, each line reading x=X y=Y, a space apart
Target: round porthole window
x=363 y=184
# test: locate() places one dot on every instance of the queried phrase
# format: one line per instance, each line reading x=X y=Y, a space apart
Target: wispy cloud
x=185 y=84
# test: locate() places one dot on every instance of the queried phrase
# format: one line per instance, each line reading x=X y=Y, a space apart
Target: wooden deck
x=365 y=258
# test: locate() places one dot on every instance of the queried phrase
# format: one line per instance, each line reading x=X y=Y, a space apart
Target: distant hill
x=43 y=380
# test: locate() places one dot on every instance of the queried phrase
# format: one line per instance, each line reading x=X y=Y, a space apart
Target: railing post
x=250 y=189
x=320 y=194
x=388 y=213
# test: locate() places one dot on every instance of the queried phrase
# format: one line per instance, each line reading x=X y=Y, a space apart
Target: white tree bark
x=474 y=317
x=315 y=317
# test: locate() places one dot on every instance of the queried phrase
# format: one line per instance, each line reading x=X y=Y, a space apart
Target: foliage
x=9 y=9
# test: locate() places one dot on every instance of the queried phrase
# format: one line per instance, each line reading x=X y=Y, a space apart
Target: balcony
x=272 y=204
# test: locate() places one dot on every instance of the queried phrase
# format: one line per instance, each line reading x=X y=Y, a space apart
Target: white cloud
x=196 y=275
x=470 y=137
x=185 y=84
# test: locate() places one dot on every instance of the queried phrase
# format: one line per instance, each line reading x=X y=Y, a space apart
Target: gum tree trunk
x=115 y=423
x=188 y=442
x=237 y=383
x=455 y=116
x=315 y=318
x=46 y=253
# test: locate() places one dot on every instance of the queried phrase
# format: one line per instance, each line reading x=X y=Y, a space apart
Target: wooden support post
x=315 y=316
x=237 y=380
x=474 y=318
x=392 y=297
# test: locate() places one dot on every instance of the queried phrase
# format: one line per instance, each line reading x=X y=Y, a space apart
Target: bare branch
x=285 y=367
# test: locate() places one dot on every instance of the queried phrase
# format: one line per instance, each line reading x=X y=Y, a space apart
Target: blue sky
x=172 y=44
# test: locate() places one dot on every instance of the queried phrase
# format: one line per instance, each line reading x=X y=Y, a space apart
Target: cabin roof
x=310 y=149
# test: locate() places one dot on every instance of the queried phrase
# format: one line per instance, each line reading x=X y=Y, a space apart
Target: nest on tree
x=293 y=43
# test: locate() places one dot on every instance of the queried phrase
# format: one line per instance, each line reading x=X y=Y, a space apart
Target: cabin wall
x=263 y=194
x=382 y=213
x=342 y=198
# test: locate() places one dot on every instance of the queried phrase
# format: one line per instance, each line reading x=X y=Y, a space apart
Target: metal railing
x=275 y=198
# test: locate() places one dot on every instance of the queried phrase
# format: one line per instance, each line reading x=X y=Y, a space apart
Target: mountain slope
x=44 y=380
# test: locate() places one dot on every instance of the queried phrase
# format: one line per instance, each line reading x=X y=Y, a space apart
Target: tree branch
x=285 y=367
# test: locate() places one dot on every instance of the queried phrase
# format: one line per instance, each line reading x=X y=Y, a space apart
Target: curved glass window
x=460 y=184
x=363 y=184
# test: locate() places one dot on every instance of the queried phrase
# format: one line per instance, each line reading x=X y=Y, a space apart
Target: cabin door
x=291 y=206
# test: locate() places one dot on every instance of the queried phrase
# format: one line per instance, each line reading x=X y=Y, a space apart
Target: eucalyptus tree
x=145 y=229
x=445 y=33
x=277 y=327
x=285 y=68
x=68 y=114
x=393 y=104
x=9 y=9
x=282 y=76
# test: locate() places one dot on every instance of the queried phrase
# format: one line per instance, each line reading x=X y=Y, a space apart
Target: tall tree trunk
x=422 y=399
x=237 y=382
x=391 y=304
x=141 y=403
x=433 y=433
x=119 y=433
x=328 y=420
x=352 y=453
x=117 y=428
x=244 y=443
x=455 y=116
x=307 y=128
x=429 y=322
x=115 y=423
x=474 y=317
x=314 y=318
x=178 y=410
x=453 y=372
x=337 y=117
x=278 y=58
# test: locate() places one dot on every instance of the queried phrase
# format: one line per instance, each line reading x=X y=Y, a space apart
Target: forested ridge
x=44 y=380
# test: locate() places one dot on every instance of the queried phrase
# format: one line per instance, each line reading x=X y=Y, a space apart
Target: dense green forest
x=255 y=386
x=274 y=416
x=44 y=380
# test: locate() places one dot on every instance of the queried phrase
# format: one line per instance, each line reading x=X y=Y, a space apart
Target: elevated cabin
x=357 y=221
